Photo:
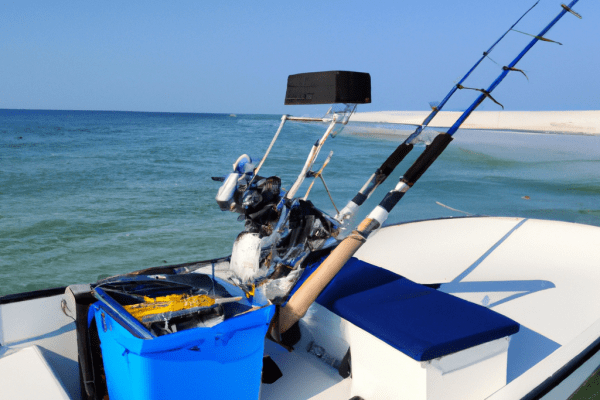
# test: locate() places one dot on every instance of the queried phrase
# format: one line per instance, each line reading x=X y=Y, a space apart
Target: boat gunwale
x=32 y=295
x=564 y=372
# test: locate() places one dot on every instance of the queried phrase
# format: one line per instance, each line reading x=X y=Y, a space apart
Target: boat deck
x=542 y=274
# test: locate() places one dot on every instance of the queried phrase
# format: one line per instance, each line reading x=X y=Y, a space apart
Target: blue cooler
x=220 y=362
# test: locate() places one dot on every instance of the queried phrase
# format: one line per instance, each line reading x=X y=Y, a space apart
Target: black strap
x=395 y=158
x=426 y=158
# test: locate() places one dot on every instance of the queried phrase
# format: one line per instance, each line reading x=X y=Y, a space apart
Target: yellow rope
x=163 y=304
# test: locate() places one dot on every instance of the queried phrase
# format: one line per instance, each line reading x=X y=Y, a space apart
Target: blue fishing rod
x=403 y=149
x=431 y=152
x=307 y=293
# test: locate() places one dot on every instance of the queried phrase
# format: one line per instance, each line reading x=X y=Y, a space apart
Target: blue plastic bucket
x=221 y=362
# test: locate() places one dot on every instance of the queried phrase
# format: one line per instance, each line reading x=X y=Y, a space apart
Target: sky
x=235 y=57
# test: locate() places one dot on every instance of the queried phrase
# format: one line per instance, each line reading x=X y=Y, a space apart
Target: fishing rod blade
x=431 y=152
x=435 y=149
x=508 y=68
x=403 y=149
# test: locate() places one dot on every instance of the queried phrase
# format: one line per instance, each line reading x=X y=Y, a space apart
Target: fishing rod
x=308 y=292
x=403 y=149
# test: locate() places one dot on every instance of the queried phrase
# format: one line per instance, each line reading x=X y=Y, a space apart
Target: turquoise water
x=85 y=195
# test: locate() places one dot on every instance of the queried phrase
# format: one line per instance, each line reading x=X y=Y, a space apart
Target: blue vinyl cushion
x=356 y=276
x=421 y=322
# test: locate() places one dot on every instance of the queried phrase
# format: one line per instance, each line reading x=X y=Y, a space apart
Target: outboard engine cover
x=226 y=197
x=227 y=191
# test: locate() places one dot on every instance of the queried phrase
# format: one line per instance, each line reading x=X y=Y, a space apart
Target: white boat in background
x=458 y=308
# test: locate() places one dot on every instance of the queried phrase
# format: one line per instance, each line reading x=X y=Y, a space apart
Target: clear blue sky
x=234 y=57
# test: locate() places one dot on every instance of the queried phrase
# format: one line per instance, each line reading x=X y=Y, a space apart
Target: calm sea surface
x=85 y=195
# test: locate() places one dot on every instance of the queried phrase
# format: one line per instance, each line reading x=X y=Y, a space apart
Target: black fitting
x=395 y=158
x=428 y=156
x=359 y=199
x=391 y=199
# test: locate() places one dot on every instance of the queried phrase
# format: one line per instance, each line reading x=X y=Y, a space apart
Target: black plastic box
x=328 y=87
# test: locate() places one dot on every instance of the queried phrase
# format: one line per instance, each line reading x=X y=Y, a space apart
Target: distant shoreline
x=566 y=122
x=399 y=122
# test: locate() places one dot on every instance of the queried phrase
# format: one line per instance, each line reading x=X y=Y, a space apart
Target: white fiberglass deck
x=542 y=274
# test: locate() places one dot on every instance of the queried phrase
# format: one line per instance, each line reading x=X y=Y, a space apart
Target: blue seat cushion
x=421 y=322
x=355 y=277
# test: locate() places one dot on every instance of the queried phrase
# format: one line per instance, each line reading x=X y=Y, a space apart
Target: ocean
x=85 y=194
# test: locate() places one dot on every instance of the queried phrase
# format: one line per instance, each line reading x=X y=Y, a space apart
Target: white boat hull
x=542 y=274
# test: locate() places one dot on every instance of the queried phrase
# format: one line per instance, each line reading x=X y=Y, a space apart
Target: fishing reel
x=278 y=232
x=229 y=196
x=282 y=228
x=252 y=195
